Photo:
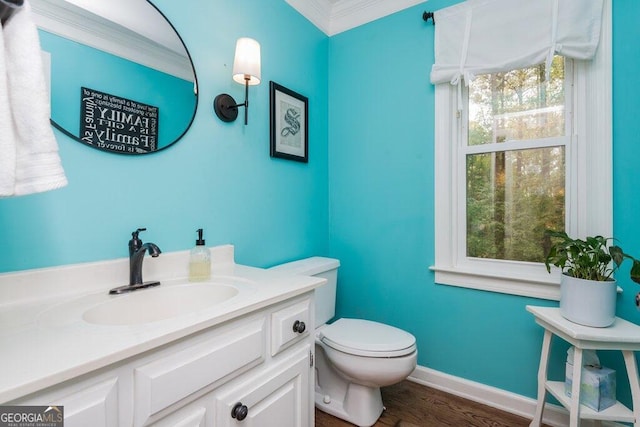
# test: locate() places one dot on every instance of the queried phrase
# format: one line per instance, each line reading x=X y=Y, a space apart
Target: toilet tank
x=325 y=296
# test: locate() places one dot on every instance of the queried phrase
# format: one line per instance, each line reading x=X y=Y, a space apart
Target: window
x=513 y=156
x=515 y=129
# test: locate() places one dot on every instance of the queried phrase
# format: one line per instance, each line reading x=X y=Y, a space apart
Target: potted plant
x=587 y=287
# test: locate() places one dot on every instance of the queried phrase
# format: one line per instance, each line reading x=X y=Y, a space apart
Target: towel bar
x=7 y=9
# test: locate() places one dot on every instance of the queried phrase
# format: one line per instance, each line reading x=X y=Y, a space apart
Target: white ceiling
x=336 y=16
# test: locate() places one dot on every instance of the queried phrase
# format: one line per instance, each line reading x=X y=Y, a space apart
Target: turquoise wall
x=381 y=181
x=626 y=152
x=219 y=177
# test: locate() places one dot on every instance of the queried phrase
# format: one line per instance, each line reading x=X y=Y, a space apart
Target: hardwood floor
x=413 y=405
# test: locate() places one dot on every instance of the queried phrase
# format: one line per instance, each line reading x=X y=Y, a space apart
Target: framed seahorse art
x=289 y=124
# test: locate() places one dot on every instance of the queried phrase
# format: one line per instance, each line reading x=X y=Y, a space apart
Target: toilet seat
x=367 y=338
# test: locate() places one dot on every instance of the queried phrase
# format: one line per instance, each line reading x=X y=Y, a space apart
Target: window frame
x=589 y=196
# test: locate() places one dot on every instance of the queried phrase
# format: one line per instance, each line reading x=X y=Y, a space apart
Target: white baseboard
x=513 y=403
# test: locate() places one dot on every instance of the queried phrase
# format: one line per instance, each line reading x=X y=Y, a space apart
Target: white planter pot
x=588 y=302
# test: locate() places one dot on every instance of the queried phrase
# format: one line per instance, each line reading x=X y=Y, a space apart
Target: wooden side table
x=622 y=335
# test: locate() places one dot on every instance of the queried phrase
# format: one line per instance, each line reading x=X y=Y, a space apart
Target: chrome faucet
x=137 y=250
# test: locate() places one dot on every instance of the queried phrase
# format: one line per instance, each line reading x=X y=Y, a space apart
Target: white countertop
x=45 y=341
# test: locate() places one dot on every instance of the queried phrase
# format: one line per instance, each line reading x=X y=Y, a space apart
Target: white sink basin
x=150 y=305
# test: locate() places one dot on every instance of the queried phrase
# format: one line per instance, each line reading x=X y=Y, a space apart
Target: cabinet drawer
x=289 y=325
x=212 y=361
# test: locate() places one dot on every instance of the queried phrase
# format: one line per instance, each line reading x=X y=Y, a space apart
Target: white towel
x=7 y=138
x=37 y=165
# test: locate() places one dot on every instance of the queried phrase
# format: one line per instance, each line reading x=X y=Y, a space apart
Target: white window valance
x=487 y=36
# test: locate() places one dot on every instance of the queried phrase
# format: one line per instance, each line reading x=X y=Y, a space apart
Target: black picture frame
x=289 y=128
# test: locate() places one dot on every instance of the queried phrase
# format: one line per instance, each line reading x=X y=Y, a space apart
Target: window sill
x=542 y=289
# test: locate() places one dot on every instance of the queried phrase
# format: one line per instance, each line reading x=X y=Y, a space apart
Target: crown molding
x=114 y=36
x=336 y=16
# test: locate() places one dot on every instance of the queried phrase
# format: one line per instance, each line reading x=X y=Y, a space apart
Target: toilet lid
x=366 y=338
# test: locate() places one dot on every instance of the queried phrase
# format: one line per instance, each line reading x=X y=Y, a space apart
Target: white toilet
x=354 y=357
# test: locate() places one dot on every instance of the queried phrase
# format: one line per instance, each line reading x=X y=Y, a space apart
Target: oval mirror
x=121 y=79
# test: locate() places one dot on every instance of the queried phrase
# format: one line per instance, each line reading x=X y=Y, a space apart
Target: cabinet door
x=94 y=402
x=275 y=397
x=96 y=406
x=196 y=414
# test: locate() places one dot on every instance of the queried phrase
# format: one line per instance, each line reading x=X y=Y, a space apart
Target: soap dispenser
x=199 y=261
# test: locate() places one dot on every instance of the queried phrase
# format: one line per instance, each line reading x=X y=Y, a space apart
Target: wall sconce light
x=246 y=70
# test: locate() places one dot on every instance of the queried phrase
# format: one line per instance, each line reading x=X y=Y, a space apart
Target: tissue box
x=598 y=388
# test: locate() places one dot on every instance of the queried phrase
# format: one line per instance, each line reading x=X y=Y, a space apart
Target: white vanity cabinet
x=259 y=363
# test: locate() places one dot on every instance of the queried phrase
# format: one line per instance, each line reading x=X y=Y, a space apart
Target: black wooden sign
x=116 y=124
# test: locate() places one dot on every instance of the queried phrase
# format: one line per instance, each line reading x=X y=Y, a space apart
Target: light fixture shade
x=247 y=61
